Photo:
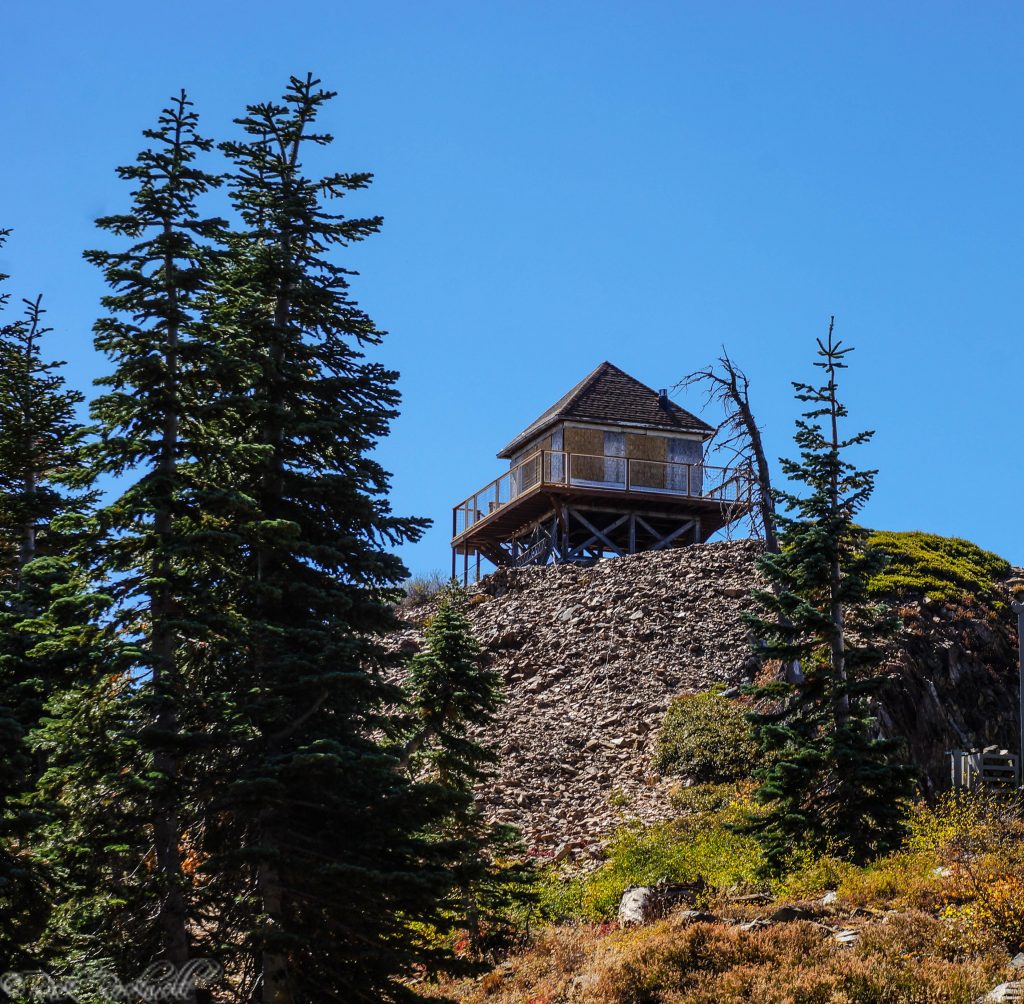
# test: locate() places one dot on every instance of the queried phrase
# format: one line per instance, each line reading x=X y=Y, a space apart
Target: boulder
x=1004 y=993
x=637 y=906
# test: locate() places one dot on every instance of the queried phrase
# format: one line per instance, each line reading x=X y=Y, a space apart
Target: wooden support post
x=560 y=537
x=632 y=533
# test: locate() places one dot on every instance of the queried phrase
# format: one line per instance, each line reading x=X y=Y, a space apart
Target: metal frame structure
x=989 y=769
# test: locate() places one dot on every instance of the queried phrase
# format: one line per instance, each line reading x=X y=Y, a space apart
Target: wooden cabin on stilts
x=612 y=468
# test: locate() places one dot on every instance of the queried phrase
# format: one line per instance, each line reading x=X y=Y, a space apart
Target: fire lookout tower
x=611 y=468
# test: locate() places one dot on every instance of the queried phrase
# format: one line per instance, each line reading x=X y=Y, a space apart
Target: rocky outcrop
x=591 y=658
x=953 y=683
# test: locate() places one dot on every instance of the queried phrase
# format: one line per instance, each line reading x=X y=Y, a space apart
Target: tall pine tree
x=833 y=783
x=152 y=423
x=40 y=484
x=314 y=856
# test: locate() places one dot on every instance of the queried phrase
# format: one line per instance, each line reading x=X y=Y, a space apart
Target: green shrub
x=703 y=799
x=942 y=568
x=706 y=737
x=559 y=896
x=812 y=875
x=700 y=848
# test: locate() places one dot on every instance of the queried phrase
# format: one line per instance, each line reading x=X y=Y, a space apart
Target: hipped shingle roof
x=608 y=396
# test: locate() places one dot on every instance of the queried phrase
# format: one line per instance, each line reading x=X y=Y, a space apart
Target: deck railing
x=551 y=467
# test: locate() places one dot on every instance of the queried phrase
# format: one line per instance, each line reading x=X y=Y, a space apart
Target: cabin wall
x=598 y=456
x=527 y=471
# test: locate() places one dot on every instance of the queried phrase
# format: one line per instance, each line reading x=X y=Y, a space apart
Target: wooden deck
x=548 y=483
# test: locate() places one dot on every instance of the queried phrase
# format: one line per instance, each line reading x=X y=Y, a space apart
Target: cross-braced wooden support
x=579 y=535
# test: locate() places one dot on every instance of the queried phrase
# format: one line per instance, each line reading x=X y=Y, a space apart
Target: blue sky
x=569 y=182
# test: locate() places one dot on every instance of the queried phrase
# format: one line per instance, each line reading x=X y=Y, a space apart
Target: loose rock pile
x=591 y=658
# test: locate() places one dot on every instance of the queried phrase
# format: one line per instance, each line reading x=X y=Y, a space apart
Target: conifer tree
x=315 y=853
x=152 y=425
x=92 y=798
x=833 y=783
x=39 y=454
x=452 y=694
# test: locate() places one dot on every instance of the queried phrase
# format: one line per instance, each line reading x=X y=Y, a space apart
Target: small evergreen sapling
x=453 y=694
x=832 y=782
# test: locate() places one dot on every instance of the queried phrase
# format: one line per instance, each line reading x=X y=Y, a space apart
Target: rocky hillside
x=591 y=658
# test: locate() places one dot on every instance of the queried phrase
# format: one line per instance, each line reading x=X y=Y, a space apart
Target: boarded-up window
x=586 y=447
x=647 y=461
x=654 y=448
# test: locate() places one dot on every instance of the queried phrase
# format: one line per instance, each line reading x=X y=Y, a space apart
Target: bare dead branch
x=725 y=385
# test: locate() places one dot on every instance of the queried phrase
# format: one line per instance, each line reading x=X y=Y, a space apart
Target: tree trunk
x=273 y=964
x=841 y=701
x=28 y=530
x=765 y=499
x=173 y=917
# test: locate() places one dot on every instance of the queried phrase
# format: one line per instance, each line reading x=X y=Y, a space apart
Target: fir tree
x=315 y=860
x=453 y=694
x=39 y=454
x=93 y=800
x=832 y=782
x=152 y=425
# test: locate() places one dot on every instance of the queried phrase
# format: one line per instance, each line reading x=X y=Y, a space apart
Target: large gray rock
x=644 y=903
x=638 y=905
x=1004 y=993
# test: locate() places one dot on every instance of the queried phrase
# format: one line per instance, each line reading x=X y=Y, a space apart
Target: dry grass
x=938 y=921
x=911 y=958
